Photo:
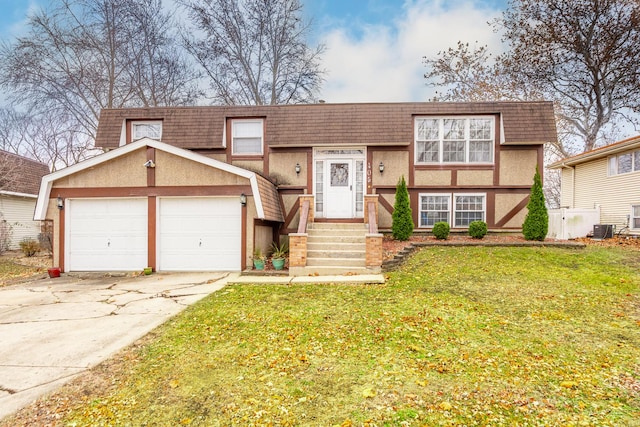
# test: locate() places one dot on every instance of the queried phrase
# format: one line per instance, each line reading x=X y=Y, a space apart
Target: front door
x=339 y=188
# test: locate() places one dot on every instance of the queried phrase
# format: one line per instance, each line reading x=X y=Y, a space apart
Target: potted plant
x=258 y=259
x=279 y=255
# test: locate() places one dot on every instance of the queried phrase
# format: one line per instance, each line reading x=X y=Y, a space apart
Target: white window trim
x=148 y=123
x=610 y=166
x=631 y=217
x=233 y=148
x=452 y=207
x=420 y=195
x=441 y=140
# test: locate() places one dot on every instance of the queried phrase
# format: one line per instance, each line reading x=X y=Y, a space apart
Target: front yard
x=457 y=336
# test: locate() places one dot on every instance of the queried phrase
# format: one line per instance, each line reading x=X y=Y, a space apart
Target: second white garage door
x=199 y=234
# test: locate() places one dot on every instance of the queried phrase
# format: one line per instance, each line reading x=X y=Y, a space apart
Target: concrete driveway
x=53 y=329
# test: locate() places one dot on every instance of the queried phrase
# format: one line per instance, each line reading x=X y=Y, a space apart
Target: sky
x=374 y=48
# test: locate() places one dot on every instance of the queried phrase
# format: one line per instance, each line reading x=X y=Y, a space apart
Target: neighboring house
x=605 y=179
x=167 y=191
x=19 y=183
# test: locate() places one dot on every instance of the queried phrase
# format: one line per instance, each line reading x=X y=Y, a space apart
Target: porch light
x=298 y=168
x=381 y=167
x=60 y=203
x=243 y=199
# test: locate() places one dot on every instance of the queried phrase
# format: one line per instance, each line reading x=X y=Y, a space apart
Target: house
x=201 y=187
x=607 y=180
x=19 y=183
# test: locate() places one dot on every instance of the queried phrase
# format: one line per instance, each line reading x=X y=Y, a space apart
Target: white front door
x=339 y=180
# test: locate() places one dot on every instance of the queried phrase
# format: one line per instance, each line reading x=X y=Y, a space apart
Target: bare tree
x=582 y=54
x=585 y=52
x=466 y=73
x=47 y=137
x=80 y=56
x=253 y=51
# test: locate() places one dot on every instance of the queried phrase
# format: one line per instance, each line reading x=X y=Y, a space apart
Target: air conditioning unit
x=603 y=231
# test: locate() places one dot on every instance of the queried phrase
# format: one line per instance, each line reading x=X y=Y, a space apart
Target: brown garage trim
x=211 y=190
x=151 y=171
x=243 y=237
x=61 y=242
x=151 y=232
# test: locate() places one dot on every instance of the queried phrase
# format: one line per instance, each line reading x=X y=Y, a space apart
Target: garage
x=106 y=234
x=199 y=234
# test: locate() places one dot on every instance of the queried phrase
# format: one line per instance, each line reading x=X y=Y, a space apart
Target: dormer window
x=448 y=140
x=146 y=129
x=247 y=137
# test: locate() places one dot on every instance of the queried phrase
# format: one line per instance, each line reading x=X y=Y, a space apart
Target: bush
x=29 y=246
x=478 y=229
x=402 y=221
x=536 y=223
x=441 y=230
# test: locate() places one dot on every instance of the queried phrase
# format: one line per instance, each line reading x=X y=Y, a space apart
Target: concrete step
x=335 y=239
x=336 y=262
x=336 y=226
x=330 y=245
x=336 y=232
x=337 y=253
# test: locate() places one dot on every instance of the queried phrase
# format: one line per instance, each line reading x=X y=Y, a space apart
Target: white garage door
x=199 y=234
x=106 y=234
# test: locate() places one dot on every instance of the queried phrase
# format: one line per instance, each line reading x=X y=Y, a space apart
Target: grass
x=11 y=270
x=457 y=336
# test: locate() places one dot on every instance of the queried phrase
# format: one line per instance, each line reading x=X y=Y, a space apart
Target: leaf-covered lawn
x=9 y=270
x=457 y=336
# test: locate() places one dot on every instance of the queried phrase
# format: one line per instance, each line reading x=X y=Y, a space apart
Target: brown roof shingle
x=327 y=124
x=20 y=174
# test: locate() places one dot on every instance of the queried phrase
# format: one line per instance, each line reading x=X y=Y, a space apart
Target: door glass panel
x=339 y=174
x=359 y=186
x=319 y=188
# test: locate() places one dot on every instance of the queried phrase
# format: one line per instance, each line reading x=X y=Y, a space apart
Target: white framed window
x=468 y=208
x=146 y=129
x=247 y=137
x=634 y=221
x=624 y=163
x=434 y=208
x=454 y=139
x=456 y=209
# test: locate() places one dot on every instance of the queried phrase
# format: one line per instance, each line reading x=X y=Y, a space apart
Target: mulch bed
x=390 y=246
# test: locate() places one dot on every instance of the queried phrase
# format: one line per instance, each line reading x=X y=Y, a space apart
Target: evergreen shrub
x=441 y=230
x=478 y=229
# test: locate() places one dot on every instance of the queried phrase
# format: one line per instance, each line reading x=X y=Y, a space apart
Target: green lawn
x=457 y=336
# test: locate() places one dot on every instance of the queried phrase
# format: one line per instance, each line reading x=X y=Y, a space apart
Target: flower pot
x=54 y=272
x=278 y=263
x=258 y=264
x=148 y=271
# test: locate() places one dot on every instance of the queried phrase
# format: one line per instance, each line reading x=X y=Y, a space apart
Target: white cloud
x=384 y=63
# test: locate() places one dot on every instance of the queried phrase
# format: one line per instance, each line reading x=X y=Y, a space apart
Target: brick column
x=298 y=249
x=374 y=250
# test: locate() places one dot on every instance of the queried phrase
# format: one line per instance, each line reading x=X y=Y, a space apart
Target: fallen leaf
x=369 y=393
x=569 y=384
x=445 y=406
